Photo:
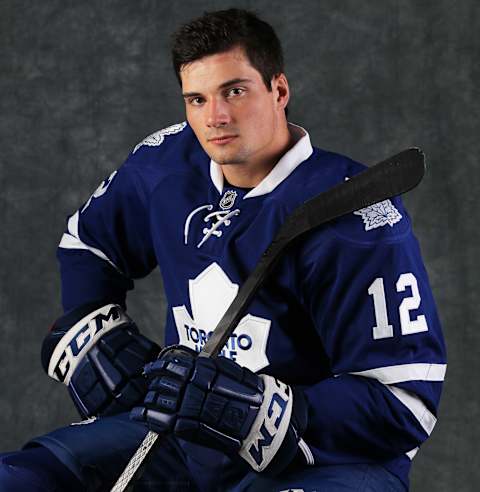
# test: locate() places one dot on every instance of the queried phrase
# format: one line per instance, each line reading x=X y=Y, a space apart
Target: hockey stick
x=391 y=177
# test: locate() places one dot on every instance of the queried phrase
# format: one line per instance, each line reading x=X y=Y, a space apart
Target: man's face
x=230 y=109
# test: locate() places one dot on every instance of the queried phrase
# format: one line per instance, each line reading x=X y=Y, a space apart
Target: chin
x=222 y=161
x=224 y=158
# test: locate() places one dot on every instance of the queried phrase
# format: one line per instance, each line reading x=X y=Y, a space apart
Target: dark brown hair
x=220 y=31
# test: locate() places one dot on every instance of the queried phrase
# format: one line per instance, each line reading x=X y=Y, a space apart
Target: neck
x=251 y=174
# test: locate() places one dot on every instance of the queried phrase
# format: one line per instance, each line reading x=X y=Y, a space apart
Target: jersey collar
x=300 y=152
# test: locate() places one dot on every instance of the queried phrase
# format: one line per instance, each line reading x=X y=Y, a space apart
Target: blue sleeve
x=107 y=242
x=366 y=288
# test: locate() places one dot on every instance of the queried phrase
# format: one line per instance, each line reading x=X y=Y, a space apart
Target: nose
x=218 y=114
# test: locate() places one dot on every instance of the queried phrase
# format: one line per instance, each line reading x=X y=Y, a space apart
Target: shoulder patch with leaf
x=157 y=138
x=379 y=214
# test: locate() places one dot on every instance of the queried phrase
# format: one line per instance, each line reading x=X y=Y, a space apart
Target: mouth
x=224 y=139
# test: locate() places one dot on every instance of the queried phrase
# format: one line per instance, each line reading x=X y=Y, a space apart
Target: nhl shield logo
x=228 y=200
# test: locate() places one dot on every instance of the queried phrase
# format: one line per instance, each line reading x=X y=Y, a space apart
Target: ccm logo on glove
x=270 y=426
x=80 y=339
x=97 y=351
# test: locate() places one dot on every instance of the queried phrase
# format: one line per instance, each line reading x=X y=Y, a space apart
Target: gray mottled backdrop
x=82 y=82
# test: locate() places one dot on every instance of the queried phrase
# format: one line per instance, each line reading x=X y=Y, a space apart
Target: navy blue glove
x=99 y=354
x=221 y=405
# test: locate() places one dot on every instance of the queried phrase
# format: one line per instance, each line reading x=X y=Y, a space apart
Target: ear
x=281 y=90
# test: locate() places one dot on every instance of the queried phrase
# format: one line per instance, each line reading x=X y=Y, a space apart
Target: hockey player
x=332 y=379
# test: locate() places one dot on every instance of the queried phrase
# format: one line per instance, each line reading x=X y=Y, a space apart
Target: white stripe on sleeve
x=411 y=454
x=390 y=375
x=426 y=418
x=406 y=372
x=71 y=240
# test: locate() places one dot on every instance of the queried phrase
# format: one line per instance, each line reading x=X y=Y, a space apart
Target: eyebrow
x=221 y=86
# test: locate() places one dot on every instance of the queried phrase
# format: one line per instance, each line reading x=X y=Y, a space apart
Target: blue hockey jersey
x=348 y=315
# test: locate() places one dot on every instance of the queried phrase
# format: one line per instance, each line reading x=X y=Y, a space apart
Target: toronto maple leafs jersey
x=348 y=314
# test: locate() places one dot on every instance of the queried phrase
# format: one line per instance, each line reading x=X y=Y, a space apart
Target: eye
x=196 y=101
x=235 y=91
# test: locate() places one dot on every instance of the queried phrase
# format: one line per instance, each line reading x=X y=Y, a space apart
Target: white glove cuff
x=81 y=337
x=270 y=425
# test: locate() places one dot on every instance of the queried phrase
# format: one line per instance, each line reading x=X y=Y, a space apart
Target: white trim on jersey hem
x=426 y=418
x=307 y=452
x=405 y=372
x=300 y=152
x=71 y=240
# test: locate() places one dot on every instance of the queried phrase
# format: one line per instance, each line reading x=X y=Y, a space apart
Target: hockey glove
x=98 y=353
x=219 y=404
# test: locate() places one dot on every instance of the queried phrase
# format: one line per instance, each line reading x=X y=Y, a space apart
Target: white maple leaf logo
x=211 y=292
x=379 y=215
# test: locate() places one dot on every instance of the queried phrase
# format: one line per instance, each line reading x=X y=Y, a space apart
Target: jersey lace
x=216 y=219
